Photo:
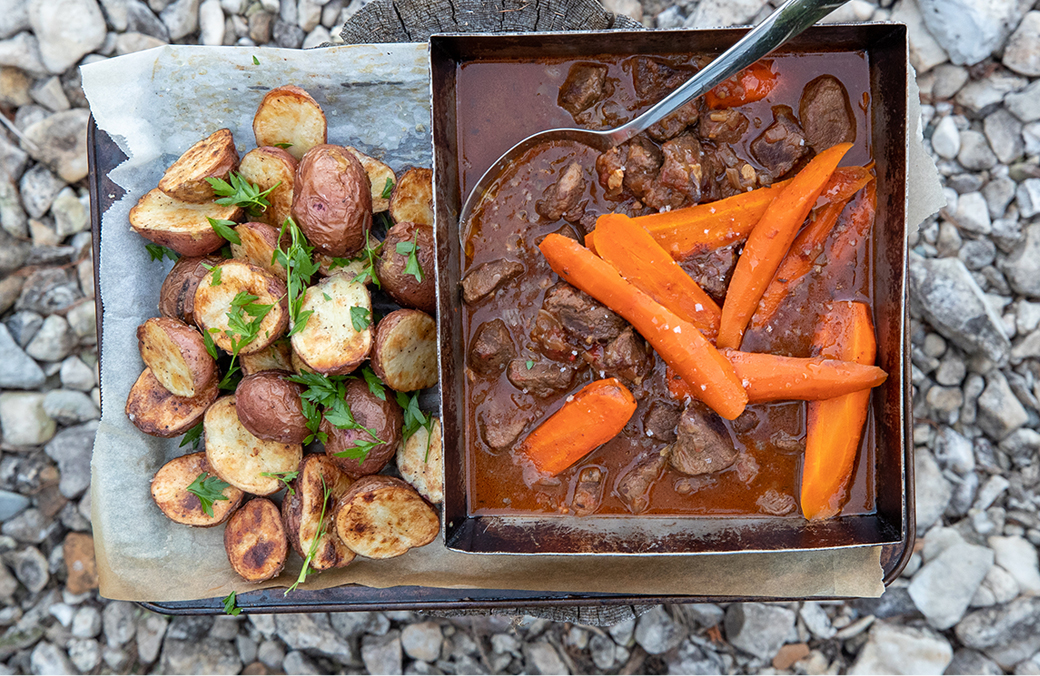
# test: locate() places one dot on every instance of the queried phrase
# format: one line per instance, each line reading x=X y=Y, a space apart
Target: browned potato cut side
x=413 y=197
x=177 y=295
x=269 y=167
x=420 y=460
x=298 y=365
x=177 y=356
x=160 y=413
x=240 y=458
x=268 y=405
x=329 y=343
x=307 y=512
x=406 y=288
x=382 y=517
x=332 y=201
x=289 y=117
x=212 y=157
x=378 y=175
x=259 y=241
x=213 y=302
x=383 y=417
x=405 y=354
x=170 y=493
x=275 y=357
x=181 y=226
x=255 y=541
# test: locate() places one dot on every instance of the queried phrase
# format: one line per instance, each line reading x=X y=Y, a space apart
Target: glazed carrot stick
x=590 y=418
x=835 y=426
x=769 y=241
x=808 y=246
x=710 y=376
x=644 y=263
x=770 y=377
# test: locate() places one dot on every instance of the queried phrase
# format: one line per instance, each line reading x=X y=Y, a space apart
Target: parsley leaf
x=256 y=61
x=283 y=146
x=239 y=192
x=368 y=257
x=192 y=437
x=375 y=385
x=224 y=229
x=208 y=489
x=207 y=339
x=410 y=249
x=299 y=268
x=229 y=601
x=414 y=419
x=285 y=477
x=530 y=364
x=330 y=394
x=360 y=318
x=242 y=331
x=216 y=276
x=388 y=189
x=159 y=252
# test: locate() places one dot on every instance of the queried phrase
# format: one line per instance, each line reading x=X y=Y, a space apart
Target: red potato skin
x=177 y=295
x=268 y=405
x=189 y=341
x=332 y=200
x=405 y=289
x=385 y=417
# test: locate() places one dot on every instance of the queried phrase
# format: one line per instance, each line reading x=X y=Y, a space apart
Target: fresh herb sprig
x=367 y=258
x=242 y=330
x=414 y=419
x=376 y=386
x=411 y=267
x=285 y=477
x=225 y=229
x=192 y=437
x=208 y=489
x=239 y=192
x=230 y=602
x=360 y=318
x=326 y=398
x=313 y=549
x=158 y=252
x=388 y=189
x=299 y=268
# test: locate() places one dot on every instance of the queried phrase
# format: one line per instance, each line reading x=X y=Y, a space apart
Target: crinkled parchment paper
x=155 y=104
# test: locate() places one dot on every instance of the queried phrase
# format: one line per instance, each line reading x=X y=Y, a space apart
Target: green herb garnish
x=313 y=549
x=224 y=228
x=208 y=489
x=375 y=385
x=192 y=437
x=229 y=601
x=414 y=418
x=283 y=146
x=244 y=320
x=326 y=398
x=410 y=249
x=299 y=268
x=368 y=258
x=238 y=192
x=256 y=62
x=158 y=252
x=360 y=318
x=207 y=339
x=285 y=477
x=388 y=189
x=530 y=364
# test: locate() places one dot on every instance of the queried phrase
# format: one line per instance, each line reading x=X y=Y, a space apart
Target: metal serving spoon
x=792 y=18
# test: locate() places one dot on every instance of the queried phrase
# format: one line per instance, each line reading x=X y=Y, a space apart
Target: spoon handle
x=789 y=20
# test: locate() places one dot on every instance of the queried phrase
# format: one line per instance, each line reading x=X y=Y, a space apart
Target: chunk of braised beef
x=585 y=86
x=703 y=445
x=562 y=199
x=675 y=123
x=653 y=78
x=661 y=419
x=587 y=222
x=683 y=169
x=735 y=174
x=610 y=168
x=746 y=467
x=826 y=113
x=688 y=485
x=501 y=424
x=712 y=270
x=776 y=503
x=627 y=357
x=540 y=378
x=642 y=164
x=723 y=126
x=550 y=338
x=782 y=145
x=485 y=279
x=634 y=487
x=581 y=315
x=588 y=494
x=492 y=348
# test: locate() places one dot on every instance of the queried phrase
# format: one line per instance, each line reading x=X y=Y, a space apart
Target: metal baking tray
x=891 y=523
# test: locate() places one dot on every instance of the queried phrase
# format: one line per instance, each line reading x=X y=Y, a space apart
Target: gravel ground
x=967 y=602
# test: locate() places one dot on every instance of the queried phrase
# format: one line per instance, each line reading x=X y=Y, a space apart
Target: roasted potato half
x=332 y=200
x=383 y=416
x=307 y=511
x=382 y=517
x=255 y=541
x=181 y=226
x=268 y=405
x=269 y=167
x=412 y=199
x=177 y=356
x=177 y=294
x=420 y=460
x=289 y=117
x=214 y=297
x=329 y=265
x=259 y=242
x=380 y=175
x=275 y=357
x=213 y=157
x=242 y=459
x=170 y=493
x=405 y=351
x=330 y=343
x=160 y=413
x=408 y=288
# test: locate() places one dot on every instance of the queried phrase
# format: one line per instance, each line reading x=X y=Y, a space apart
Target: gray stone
x=757 y=628
x=14 y=18
x=246 y=648
x=1007 y=634
x=998 y=587
x=1004 y=133
x=23 y=419
x=975 y=153
x=999 y=411
x=298 y=663
x=969 y=31
x=972 y=214
x=657 y=632
x=12 y=504
x=966 y=661
x=67 y=30
x=49 y=94
x=964 y=489
x=1018 y=557
x=382 y=654
x=953 y=451
x=946 y=138
x=949 y=298
x=211 y=23
x=990 y=491
x=19 y=371
x=30 y=567
x=422 y=641
x=602 y=650
x=48 y=658
x=119 y=623
x=944 y=586
x=979 y=95
x=998 y=193
x=47 y=291
x=1022 y=53
x=1027 y=197
x=925 y=51
x=128 y=43
x=543 y=659
x=70 y=213
x=23 y=326
x=1022 y=268
x=718 y=13
x=82 y=320
x=85 y=654
x=39 y=187
x=22 y=51
x=892 y=649
x=150 y=631
x=181 y=18
x=816 y=620
x=977 y=254
x=86 y=623
x=29 y=526
x=932 y=490
x=12 y=216
x=69 y=407
x=313 y=632
x=53 y=342
x=287 y=35
x=208 y=656
x=76 y=375
x=60 y=141
x=1028 y=347
x=1025 y=104
x=948 y=80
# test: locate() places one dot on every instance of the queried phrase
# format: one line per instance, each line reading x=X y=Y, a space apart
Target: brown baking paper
x=157 y=103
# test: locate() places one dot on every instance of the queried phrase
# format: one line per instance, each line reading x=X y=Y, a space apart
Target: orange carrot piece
x=848 y=241
x=835 y=426
x=643 y=262
x=769 y=241
x=591 y=417
x=770 y=377
x=808 y=246
x=711 y=377
x=706 y=227
x=751 y=84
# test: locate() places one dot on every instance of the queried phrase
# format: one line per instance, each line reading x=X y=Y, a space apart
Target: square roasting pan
x=891 y=524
